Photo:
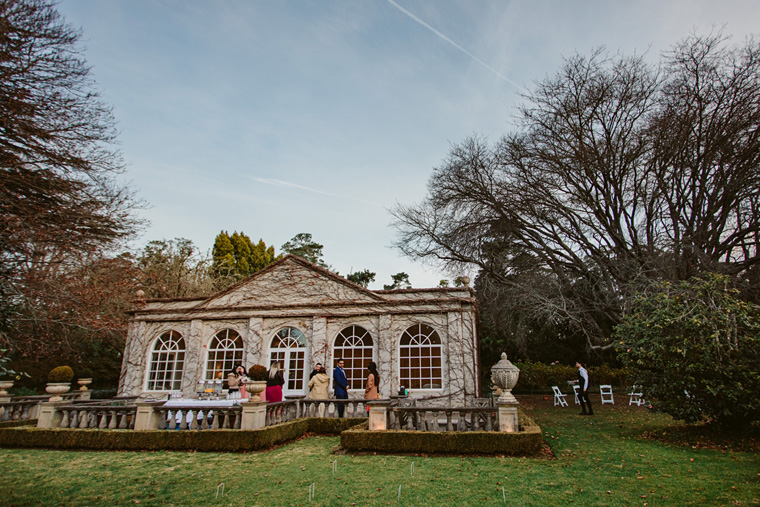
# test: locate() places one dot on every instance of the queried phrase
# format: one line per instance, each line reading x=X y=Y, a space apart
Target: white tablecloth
x=182 y=402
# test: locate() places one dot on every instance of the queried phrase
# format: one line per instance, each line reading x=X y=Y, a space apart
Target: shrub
x=694 y=348
x=257 y=372
x=61 y=374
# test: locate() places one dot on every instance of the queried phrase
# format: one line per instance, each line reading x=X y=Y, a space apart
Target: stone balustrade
x=91 y=415
x=329 y=408
x=18 y=410
x=443 y=418
x=197 y=417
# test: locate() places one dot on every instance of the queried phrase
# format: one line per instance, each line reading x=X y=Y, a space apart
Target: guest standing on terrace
x=275 y=382
x=583 y=382
x=340 y=383
x=373 y=383
x=236 y=383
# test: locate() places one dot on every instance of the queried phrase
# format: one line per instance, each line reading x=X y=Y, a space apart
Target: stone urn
x=83 y=383
x=57 y=389
x=255 y=388
x=4 y=386
x=505 y=375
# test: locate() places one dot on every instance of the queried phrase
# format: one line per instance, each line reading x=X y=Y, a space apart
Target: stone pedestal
x=508 y=417
x=48 y=416
x=378 y=415
x=5 y=398
x=147 y=418
x=254 y=415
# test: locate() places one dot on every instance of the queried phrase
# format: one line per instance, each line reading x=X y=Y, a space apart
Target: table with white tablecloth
x=201 y=404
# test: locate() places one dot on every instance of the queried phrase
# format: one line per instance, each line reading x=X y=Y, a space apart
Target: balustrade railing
x=103 y=415
x=282 y=411
x=329 y=408
x=17 y=410
x=443 y=418
x=196 y=417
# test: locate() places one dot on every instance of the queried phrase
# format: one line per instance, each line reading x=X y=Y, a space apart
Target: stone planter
x=56 y=389
x=255 y=388
x=4 y=386
x=505 y=375
x=84 y=382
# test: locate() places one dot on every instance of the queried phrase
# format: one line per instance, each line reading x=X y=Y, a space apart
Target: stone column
x=254 y=342
x=254 y=415
x=49 y=416
x=507 y=417
x=386 y=356
x=147 y=418
x=378 y=415
x=194 y=357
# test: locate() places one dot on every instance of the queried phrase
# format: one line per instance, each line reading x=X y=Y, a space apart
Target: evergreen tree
x=237 y=257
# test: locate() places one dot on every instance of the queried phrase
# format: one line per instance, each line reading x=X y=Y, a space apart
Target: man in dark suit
x=340 y=384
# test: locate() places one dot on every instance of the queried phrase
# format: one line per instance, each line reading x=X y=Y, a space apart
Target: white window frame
x=350 y=370
x=236 y=352
x=288 y=351
x=425 y=341
x=174 y=339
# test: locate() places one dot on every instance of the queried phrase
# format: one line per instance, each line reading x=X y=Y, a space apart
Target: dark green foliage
x=304 y=247
x=236 y=256
x=61 y=374
x=363 y=278
x=539 y=377
x=187 y=440
x=694 y=346
x=400 y=281
x=527 y=441
x=16 y=424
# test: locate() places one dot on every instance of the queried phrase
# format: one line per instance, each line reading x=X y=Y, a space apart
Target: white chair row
x=605 y=390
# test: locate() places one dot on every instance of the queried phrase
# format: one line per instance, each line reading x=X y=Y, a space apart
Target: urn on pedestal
x=505 y=374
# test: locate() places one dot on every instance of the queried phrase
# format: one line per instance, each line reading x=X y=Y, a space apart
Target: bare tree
x=618 y=174
x=60 y=203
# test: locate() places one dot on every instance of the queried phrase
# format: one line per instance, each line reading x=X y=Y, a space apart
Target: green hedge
x=527 y=441
x=187 y=440
x=13 y=424
x=539 y=377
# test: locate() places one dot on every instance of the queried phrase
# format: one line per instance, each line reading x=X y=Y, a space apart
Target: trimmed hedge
x=527 y=441
x=171 y=440
x=538 y=377
x=14 y=424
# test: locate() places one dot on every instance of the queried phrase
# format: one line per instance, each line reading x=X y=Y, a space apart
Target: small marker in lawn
x=398 y=499
x=312 y=492
x=221 y=485
x=411 y=468
x=504 y=495
x=335 y=466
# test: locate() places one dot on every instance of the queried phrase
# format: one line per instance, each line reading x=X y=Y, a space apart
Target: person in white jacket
x=583 y=383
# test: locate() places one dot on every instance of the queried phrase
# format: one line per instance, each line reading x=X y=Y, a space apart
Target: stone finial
x=465 y=281
x=140 y=294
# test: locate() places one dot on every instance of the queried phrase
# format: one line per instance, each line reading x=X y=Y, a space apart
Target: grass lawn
x=600 y=460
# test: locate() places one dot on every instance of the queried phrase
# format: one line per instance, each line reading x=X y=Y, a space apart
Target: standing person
x=320 y=389
x=340 y=383
x=315 y=370
x=275 y=381
x=583 y=382
x=236 y=383
x=373 y=383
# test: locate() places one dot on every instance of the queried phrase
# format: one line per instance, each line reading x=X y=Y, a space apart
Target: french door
x=289 y=348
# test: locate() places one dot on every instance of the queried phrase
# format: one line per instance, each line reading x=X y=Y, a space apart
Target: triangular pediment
x=291 y=281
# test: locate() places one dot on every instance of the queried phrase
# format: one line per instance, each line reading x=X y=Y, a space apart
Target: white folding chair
x=606 y=392
x=576 y=390
x=636 y=397
x=559 y=398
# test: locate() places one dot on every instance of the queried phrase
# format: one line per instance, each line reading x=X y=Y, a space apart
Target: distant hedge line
x=177 y=440
x=539 y=377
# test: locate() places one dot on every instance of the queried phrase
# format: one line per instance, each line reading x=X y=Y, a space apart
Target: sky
x=280 y=117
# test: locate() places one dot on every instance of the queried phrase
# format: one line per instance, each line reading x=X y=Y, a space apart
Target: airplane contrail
x=460 y=48
x=288 y=184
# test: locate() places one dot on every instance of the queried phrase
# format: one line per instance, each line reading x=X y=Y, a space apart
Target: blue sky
x=281 y=117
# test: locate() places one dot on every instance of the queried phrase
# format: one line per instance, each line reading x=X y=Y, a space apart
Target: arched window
x=420 y=357
x=224 y=351
x=167 y=360
x=289 y=348
x=354 y=346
